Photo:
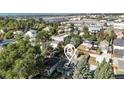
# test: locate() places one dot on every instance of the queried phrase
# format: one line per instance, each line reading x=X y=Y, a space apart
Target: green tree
x=46 y=49
x=77 y=39
x=43 y=37
x=93 y=37
x=72 y=27
x=53 y=32
x=112 y=36
x=100 y=36
x=58 y=52
x=21 y=60
x=104 y=71
x=8 y=35
x=85 y=30
x=82 y=70
x=67 y=40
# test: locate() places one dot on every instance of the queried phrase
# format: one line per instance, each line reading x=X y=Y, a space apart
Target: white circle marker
x=69 y=51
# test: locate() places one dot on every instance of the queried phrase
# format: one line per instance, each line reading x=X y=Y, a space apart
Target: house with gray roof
x=118 y=44
x=118 y=51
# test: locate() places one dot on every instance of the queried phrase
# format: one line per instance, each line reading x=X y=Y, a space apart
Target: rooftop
x=119 y=53
x=118 y=42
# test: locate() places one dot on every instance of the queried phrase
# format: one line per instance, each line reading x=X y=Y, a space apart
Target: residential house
x=118 y=25
x=118 y=53
x=87 y=43
x=94 y=28
x=104 y=46
x=60 y=38
x=67 y=30
x=118 y=59
x=118 y=44
x=110 y=23
x=77 y=24
x=57 y=39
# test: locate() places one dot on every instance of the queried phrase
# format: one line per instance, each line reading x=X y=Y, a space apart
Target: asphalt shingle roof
x=119 y=53
x=118 y=42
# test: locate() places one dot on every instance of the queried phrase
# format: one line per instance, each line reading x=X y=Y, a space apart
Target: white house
x=87 y=43
x=60 y=37
x=118 y=25
x=67 y=30
x=94 y=28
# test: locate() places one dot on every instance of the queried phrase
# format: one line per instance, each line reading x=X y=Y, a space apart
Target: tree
x=100 y=36
x=43 y=36
x=21 y=60
x=108 y=37
x=58 y=52
x=53 y=31
x=47 y=50
x=67 y=40
x=93 y=37
x=72 y=27
x=104 y=71
x=82 y=70
x=77 y=39
x=113 y=36
x=8 y=35
x=86 y=32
